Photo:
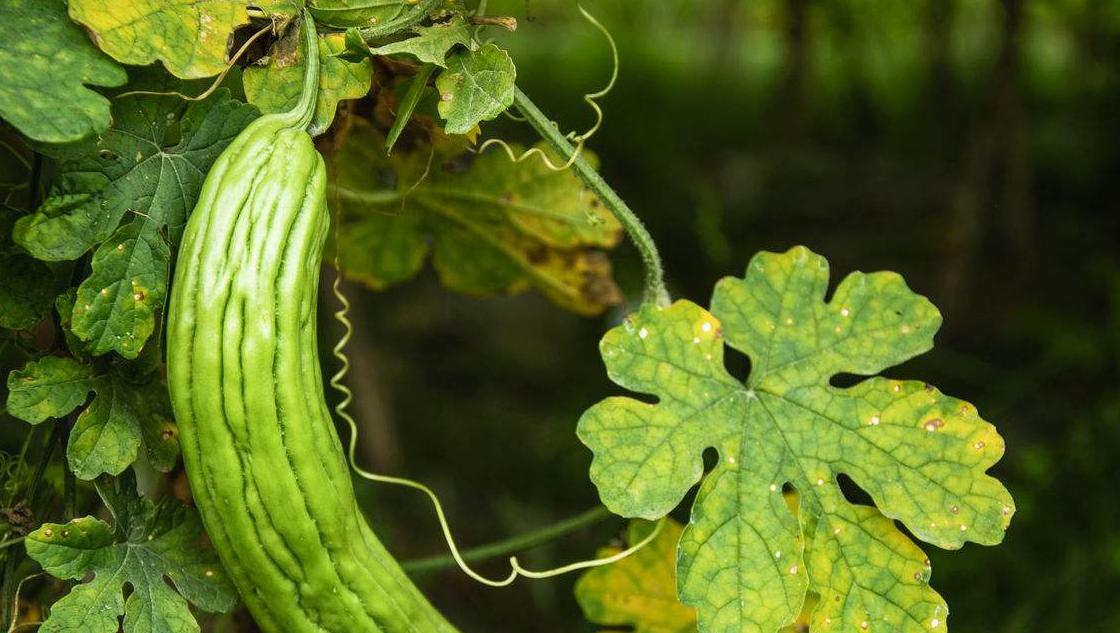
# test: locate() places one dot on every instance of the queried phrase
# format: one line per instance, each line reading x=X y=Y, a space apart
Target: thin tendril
x=340 y=409
x=15 y=605
x=217 y=80
x=590 y=98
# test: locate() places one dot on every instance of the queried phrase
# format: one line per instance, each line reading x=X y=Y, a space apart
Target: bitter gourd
x=265 y=464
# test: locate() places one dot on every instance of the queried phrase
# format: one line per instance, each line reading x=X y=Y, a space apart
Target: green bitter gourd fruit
x=265 y=464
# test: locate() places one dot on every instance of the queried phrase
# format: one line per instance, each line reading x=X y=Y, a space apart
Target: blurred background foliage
x=971 y=145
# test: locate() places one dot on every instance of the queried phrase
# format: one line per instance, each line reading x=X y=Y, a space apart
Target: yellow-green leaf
x=190 y=37
x=45 y=62
x=919 y=454
x=639 y=591
x=276 y=87
x=500 y=226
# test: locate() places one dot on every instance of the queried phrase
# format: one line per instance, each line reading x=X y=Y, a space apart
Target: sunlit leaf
x=45 y=62
x=919 y=454
x=277 y=86
x=476 y=86
x=500 y=226
x=190 y=37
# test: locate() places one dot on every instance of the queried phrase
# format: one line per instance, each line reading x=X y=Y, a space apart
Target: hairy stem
x=510 y=545
x=655 y=291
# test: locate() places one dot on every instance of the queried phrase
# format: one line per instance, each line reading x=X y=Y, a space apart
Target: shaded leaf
x=27 y=288
x=154 y=552
x=277 y=86
x=431 y=44
x=190 y=37
x=45 y=63
x=342 y=13
x=639 y=591
x=919 y=454
x=476 y=86
x=499 y=226
x=108 y=434
x=147 y=170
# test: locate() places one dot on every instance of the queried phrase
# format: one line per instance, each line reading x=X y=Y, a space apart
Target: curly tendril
x=579 y=140
x=341 y=410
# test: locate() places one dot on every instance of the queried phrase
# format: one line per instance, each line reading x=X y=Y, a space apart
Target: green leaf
x=432 y=43
x=147 y=170
x=27 y=289
x=407 y=105
x=343 y=13
x=477 y=86
x=154 y=552
x=501 y=226
x=919 y=454
x=188 y=36
x=276 y=87
x=50 y=387
x=107 y=435
x=45 y=62
x=115 y=307
x=639 y=591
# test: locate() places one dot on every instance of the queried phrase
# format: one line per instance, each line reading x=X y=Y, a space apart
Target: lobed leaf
x=45 y=63
x=154 y=552
x=500 y=226
x=190 y=37
x=146 y=171
x=639 y=591
x=431 y=44
x=477 y=86
x=106 y=438
x=919 y=454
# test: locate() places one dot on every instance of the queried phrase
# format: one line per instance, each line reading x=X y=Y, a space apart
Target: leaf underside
x=745 y=562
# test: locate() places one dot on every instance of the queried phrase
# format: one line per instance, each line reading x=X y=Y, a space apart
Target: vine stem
x=511 y=545
x=12 y=541
x=655 y=291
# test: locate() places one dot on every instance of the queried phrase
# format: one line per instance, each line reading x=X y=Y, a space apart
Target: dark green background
x=971 y=145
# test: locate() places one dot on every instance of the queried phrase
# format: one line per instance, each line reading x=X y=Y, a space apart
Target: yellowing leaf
x=639 y=591
x=190 y=37
x=500 y=226
x=44 y=61
x=919 y=454
x=276 y=87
